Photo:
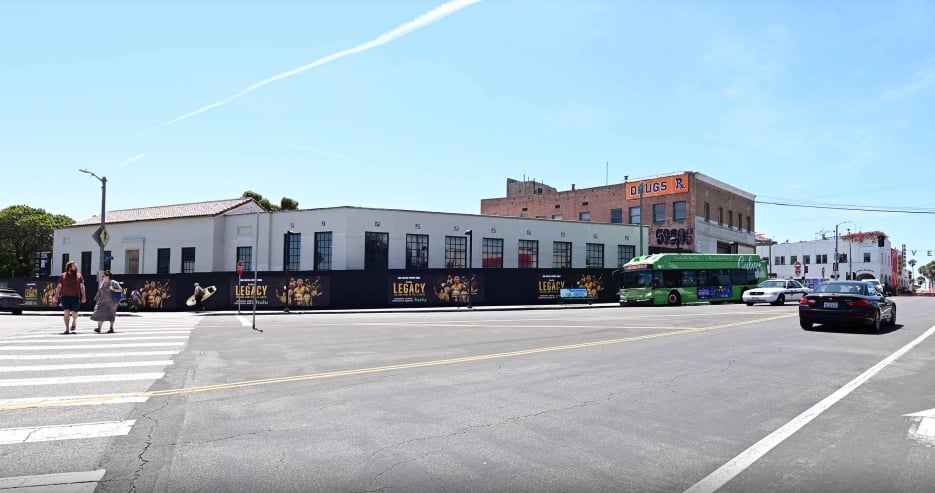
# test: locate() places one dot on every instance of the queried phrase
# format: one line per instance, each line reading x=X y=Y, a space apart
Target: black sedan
x=847 y=303
x=11 y=301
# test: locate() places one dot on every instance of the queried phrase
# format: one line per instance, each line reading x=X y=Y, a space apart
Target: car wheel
x=893 y=316
x=806 y=325
x=675 y=299
x=749 y=303
x=17 y=312
x=780 y=300
x=877 y=321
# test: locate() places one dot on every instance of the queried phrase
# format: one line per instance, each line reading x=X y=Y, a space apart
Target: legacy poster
x=550 y=285
x=444 y=288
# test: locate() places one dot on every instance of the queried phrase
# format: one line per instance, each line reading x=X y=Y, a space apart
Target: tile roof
x=177 y=211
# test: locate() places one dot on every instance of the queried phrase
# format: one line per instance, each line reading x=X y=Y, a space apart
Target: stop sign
x=239 y=268
x=798 y=268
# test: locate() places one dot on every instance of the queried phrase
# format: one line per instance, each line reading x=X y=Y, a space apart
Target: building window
x=624 y=254
x=635 y=217
x=528 y=254
x=162 y=260
x=806 y=259
x=584 y=216
x=866 y=256
x=680 y=211
x=455 y=252
x=821 y=258
x=659 y=213
x=616 y=216
x=793 y=259
x=492 y=253
x=749 y=224
x=780 y=260
x=730 y=219
x=558 y=217
x=417 y=251
x=85 y=264
x=740 y=221
x=291 y=251
x=132 y=265
x=561 y=254
x=245 y=255
x=188 y=260
x=323 y=248
x=720 y=216
x=65 y=259
x=594 y=253
x=108 y=258
x=376 y=250
x=842 y=258
x=707 y=212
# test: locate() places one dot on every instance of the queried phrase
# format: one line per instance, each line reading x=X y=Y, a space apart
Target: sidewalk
x=432 y=309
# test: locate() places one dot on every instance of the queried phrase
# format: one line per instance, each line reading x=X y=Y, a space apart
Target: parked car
x=11 y=301
x=775 y=292
x=877 y=283
x=853 y=303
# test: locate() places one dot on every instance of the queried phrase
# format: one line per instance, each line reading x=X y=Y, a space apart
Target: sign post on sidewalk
x=239 y=274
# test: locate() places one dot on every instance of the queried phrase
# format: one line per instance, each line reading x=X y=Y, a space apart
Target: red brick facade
x=730 y=218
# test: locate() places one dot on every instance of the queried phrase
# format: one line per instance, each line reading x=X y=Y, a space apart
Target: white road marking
x=923 y=427
x=73 y=400
x=245 y=321
x=85 y=366
x=738 y=464
x=112 y=337
x=89 y=346
x=85 y=355
x=9 y=436
x=57 y=335
x=125 y=377
x=64 y=482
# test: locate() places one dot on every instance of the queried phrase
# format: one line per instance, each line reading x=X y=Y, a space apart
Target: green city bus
x=676 y=278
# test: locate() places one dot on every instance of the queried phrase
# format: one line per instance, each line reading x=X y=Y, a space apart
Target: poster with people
x=550 y=286
x=294 y=291
x=435 y=288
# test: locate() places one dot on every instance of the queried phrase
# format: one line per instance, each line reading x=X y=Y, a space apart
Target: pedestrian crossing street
x=63 y=397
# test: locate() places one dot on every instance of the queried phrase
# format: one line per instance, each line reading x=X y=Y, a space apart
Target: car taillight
x=807 y=301
x=858 y=303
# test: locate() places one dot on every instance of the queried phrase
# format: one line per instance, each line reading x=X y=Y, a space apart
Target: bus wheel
x=675 y=299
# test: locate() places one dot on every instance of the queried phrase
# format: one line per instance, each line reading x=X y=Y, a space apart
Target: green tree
x=24 y=231
x=285 y=204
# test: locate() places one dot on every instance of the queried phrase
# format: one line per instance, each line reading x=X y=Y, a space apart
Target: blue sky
x=794 y=101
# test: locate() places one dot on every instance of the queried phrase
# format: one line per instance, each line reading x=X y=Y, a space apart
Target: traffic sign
x=101 y=236
x=798 y=268
x=239 y=268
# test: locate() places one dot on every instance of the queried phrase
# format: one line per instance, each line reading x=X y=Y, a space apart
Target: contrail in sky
x=423 y=20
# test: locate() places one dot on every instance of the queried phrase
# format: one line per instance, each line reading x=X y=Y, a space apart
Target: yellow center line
x=379 y=369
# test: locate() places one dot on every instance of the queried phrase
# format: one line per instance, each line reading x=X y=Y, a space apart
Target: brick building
x=684 y=211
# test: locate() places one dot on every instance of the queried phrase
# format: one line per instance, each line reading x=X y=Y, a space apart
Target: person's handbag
x=118 y=295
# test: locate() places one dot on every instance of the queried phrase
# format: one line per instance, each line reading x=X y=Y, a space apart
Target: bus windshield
x=637 y=279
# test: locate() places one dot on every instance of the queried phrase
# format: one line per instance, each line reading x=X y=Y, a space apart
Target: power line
x=850 y=207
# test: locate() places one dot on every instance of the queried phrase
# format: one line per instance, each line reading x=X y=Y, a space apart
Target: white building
x=859 y=253
x=214 y=236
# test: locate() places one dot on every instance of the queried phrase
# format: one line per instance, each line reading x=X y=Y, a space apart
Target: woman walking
x=105 y=310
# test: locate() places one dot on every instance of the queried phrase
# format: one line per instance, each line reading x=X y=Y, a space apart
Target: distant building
x=865 y=255
x=685 y=211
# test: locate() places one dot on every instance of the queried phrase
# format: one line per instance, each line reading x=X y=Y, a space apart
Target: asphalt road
x=694 y=398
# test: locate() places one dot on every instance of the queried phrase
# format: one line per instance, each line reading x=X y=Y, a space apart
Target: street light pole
x=470 y=280
x=103 y=180
x=836 y=257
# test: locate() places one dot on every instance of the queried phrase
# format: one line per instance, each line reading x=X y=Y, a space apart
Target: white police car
x=775 y=292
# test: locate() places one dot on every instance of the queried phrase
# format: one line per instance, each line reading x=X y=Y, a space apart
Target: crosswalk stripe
x=90 y=346
x=9 y=436
x=114 y=337
x=84 y=366
x=123 y=377
x=63 y=482
x=57 y=334
x=23 y=357
x=74 y=400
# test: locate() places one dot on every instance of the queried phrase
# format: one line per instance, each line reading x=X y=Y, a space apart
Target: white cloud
x=133 y=159
x=921 y=80
x=436 y=14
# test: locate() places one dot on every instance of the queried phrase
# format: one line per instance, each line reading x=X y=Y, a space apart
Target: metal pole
x=836 y=276
x=103 y=223
x=641 y=217
x=255 y=257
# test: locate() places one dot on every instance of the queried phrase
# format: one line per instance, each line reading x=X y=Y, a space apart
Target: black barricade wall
x=338 y=289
